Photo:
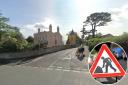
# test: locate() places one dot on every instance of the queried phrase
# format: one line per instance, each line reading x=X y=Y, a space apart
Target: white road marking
x=52 y=66
x=66 y=70
x=60 y=67
x=52 y=69
x=76 y=71
x=67 y=58
x=49 y=68
x=61 y=59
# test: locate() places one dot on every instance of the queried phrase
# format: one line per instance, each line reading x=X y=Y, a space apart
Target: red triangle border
x=96 y=75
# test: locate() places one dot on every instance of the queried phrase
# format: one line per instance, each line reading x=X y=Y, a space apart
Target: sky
x=67 y=14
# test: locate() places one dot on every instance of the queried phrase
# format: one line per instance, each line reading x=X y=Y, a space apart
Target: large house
x=48 y=37
x=73 y=38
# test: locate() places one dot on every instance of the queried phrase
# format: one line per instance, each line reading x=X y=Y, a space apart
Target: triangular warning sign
x=115 y=69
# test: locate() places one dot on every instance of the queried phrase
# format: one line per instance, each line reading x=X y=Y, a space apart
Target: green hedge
x=121 y=40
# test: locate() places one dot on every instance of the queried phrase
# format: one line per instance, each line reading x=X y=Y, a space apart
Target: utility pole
x=85 y=32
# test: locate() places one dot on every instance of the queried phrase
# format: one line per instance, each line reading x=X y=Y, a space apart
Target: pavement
x=59 y=68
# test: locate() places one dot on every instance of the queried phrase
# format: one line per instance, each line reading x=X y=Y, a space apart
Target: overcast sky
x=68 y=14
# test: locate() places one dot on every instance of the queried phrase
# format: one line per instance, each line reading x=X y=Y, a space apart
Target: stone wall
x=33 y=53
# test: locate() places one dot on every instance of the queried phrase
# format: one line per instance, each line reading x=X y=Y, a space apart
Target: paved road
x=65 y=59
x=60 y=68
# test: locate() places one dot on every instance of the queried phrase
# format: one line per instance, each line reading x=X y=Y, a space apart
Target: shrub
x=122 y=40
x=12 y=45
x=8 y=45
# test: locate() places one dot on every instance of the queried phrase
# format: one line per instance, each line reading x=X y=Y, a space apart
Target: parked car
x=119 y=53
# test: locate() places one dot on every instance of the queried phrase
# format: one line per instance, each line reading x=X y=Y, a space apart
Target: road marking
x=67 y=58
x=49 y=68
x=60 y=67
x=66 y=70
x=76 y=71
x=52 y=66
x=69 y=53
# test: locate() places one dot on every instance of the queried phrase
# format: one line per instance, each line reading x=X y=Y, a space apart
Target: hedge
x=122 y=40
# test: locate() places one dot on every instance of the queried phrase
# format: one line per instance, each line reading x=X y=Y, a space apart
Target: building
x=107 y=35
x=48 y=38
x=73 y=38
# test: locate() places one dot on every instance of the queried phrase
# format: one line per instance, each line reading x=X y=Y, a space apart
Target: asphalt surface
x=60 y=68
x=65 y=59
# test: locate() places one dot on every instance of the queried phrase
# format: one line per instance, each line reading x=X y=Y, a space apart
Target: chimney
x=38 y=30
x=58 y=29
x=50 y=28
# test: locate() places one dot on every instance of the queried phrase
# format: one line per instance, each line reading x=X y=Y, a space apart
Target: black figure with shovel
x=107 y=63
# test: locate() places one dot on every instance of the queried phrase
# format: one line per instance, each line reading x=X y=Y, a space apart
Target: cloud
x=119 y=22
x=120 y=13
x=30 y=29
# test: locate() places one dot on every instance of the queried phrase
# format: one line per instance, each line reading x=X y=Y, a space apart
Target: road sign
x=107 y=63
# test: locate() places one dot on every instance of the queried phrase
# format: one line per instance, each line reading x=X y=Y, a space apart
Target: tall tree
x=3 y=22
x=97 y=19
x=8 y=30
x=10 y=37
x=30 y=39
x=3 y=25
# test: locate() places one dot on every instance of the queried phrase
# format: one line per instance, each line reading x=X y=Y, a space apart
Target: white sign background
x=100 y=63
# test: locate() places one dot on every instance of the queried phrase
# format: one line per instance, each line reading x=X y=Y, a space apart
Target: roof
x=107 y=35
x=72 y=33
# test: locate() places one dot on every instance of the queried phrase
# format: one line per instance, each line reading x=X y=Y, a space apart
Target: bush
x=92 y=42
x=12 y=45
x=122 y=40
x=21 y=45
x=8 y=45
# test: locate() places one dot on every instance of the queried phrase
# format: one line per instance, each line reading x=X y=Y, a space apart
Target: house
x=48 y=37
x=107 y=35
x=73 y=38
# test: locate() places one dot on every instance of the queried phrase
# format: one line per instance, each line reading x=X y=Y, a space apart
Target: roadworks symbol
x=106 y=64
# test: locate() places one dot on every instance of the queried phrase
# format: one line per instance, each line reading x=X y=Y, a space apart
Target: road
x=59 y=68
x=65 y=60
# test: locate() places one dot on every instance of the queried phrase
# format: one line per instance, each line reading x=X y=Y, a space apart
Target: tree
x=11 y=39
x=3 y=21
x=99 y=35
x=9 y=45
x=30 y=39
x=3 y=25
x=78 y=40
x=97 y=19
x=8 y=30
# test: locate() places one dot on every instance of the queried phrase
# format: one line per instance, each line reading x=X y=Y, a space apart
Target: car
x=119 y=53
